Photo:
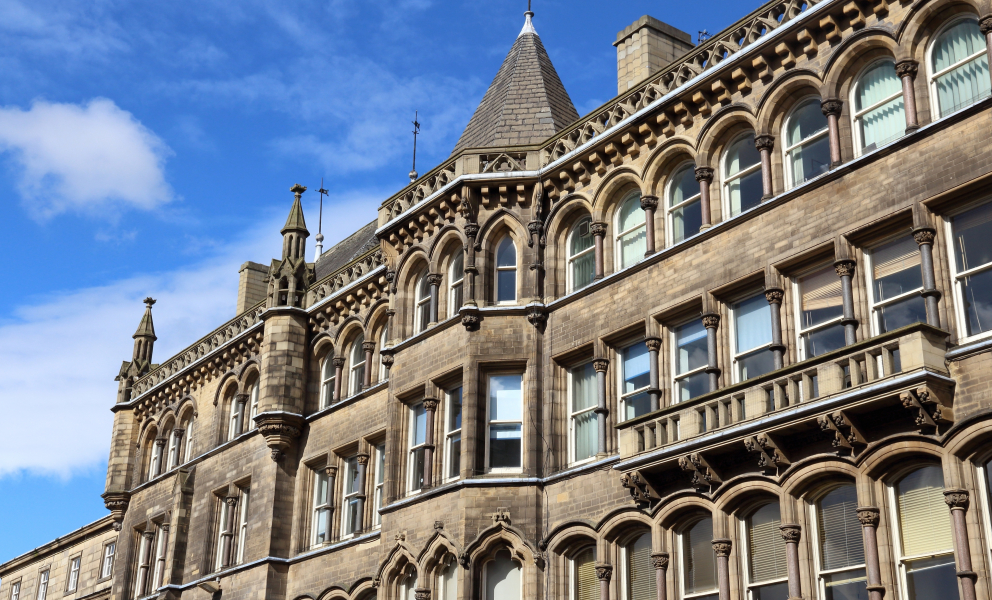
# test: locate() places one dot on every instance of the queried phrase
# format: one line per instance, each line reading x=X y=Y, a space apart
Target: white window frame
x=409 y=583
x=869 y=275
x=413 y=447
x=814 y=535
x=857 y=115
x=354 y=381
x=735 y=356
x=173 y=457
x=490 y=422
x=729 y=179
x=15 y=590
x=957 y=278
x=420 y=299
x=253 y=395
x=983 y=493
x=319 y=478
x=745 y=554
x=383 y=371
x=797 y=295
x=379 y=472
x=158 y=565
x=448 y=562
x=669 y=210
x=573 y=415
x=621 y=395
x=786 y=150
x=618 y=238
x=498 y=269
x=73 y=582
x=232 y=425
x=43 y=584
x=221 y=530
x=573 y=574
x=155 y=461
x=188 y=449
x=327 y=383
x=570 y=270
x=346 y=497
x=450 y=434
x=107 y=564
x=455 y=284
x=932 y=76
x=676 y=376
x=241 y=535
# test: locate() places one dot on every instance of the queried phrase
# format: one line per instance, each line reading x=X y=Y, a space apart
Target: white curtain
x=753 y=323
x=969 y=82
x=633 y=245
x=503 y=578
x=888 y=121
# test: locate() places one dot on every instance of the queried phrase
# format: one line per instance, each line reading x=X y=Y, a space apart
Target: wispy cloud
x=84 y=158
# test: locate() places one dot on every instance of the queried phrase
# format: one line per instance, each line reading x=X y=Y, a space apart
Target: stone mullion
x=722 y=548
x=906 y=70
x=868 y=516
x=430 y=408
x=228 y=535
x=832 y=108
x=369 y=348
x=338 y=362
x=704 y=175
x=144 y=554
x=774 y=297
x=765 y=144
x=599 y=232
x=601 y=365
x=649 y=204
x=160 y=452
x=241 y=400
x=711 y=321
x=791 y=534
x=604 y=572
x=332 y=473
x=957 y=501
x=845 y=270
x=660 y=561
x=434 y=279
x=363 y=462
x=654 y=392
x=924 y=237
x=178 y=452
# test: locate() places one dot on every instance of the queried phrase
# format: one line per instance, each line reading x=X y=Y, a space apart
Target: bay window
x=583 y=399
x=766 y=573
x=807 y=147
x=685 y=215
x=971 y=247
x=417 y=442
x=742 y=185
x=959 y=66
x=691 y=358
x=504 y=435
x=697 y=561
x=840 y=559
x=821 y=310
x=453 y=434
x=635 y=379
x=581 y=255
x=879 y=111
x=752 y=324
x=631 y=231
x=896 y=280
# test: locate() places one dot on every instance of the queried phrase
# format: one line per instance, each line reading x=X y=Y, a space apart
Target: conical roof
x=146 y=328
x=526 y=102
x=295 y=221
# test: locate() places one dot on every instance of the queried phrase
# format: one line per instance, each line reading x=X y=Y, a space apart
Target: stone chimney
x=645 y=47
x=252 y=282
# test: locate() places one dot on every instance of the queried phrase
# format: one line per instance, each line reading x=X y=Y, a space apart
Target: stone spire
x=294 y=232
x=526 y=102
x=144 y=337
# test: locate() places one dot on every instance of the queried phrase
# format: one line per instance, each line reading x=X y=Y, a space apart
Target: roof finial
x=416 y=132
x=528 y=24
x=149 y=301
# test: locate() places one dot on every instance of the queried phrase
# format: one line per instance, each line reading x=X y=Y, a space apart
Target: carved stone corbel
x=704 y=476
x=932 y=407
x=640 y=489
x=770 y=454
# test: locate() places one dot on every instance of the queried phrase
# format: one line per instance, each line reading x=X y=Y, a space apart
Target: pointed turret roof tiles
x=146 y=328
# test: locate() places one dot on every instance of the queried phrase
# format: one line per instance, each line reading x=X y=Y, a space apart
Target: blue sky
x=148 y=149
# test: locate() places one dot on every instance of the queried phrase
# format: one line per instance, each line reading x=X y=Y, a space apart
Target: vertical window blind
x=766 y=551
x=841 y=541
x=924 y=520
x=698 y=558
x=641 y=578
x=585 y=586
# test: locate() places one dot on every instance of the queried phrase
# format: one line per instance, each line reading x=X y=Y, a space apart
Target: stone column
x=957 y=501
x=332 y=473
x=985 y=25
x=711 y=321
x=369 y=348
x=722 y=548
x=599 y=232
x=160 y=452
x=925 y=236
x=363 y=462
x=868 y=516
x=660 y=561
x=906 y=70
x=338 y=362
x=845 y=270
x=430 y=407
x=704 y=175
x=765 y=144
x=471 y=231
x=434 y=279
x=831 y=108
x=774 y=297
x=791 y=535
x=143 y=561
x=601 y=365
x=654 y=392
x=242 y=402
x=604 y=573
x=227 y=538
x=178 y=452
x=422 y=593
x=649 y=204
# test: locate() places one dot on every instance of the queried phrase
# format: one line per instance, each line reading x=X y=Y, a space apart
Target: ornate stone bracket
x=704 y=476
x=117 y=503
x=471 y=317
x=537 y=315
x=280 y=431
x=640 y=490
x=847 y=435
x=770 y=454
x=932 y=407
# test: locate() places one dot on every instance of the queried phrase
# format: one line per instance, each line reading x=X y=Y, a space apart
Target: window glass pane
x=584 y=389
x=752 y=323
x=380 y=471
x=584 y=397
x=902 y=313
x=930 y=578
x=586 y=435
x=968 y=82
x=502 y=578
x=924 y=521
x=846 y=585
x=957 y=43
x=636 y=367
x=690 y=340
x=824 y=340
x=637 y=405
x=454 y=455
x=741 y=155
x=584 y=582
x=973 y=237
x=745 y=192
x=457 y=267
x=684 y=185
x=506 y=286
x=686 y=221
x=504 y=446
x=887 y=121
x=840 y=533
x=896 y=268
x=810 y=160
x=698 y=557
x=883 y=124
x=583 y=270
x=417 y=469
x=351 y=479
x=455 y=409
x=357 y=354
x=581 y=238
x=633 y=245
x=631 y=214
x=449 y=582
x=320 y=489
x=692 y=386
x=505 y=398
x=506 y=255
x=641 y=579
x=766 y=552
x=821 y=297
x=805 y=121
x=418 y=425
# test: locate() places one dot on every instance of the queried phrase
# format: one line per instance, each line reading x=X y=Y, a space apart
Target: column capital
x=711 y=320
x=985 y=24
x=601 y=365
x=338 y=362
x=422 y=594
x=368 y=346
x=430 y=404
x=924 y=235
x=956 y=499
x=791 y=533
x=868 y=516
x=160 y=441
x=178 y=432
x=774 y=295
x=845 y=267
x=722 y=547
x=653 y=344
x=764 y=141
x=362 y=458
x=704 y=174
x=907 y=68
x=660 y=560
x=434 y=278
x=831 y=107
x=331 y=471
x=148 y=535
x=598 y=229
x=471 y=230
x=604 y=572
x=649 y=202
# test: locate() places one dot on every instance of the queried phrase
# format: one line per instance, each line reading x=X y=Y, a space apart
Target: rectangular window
x=896 y=281
x=15 y=591
x=752 y=322
x=43 y=585
x=321 y=508
x=821 y=308
x=971 y=246
x=453 y=434
x=380 y=478
x=417 y=442
x=242 y=532
x=840 y=559
x=504 y=447
x=253 y=406
x=351 y=521
x=767 y=572
x=583 y=399
x=161 y=541
x=188 y=444
x=691 y=359
x=73 y=575
x=108 y=560
x=222 y=522
x=232 y=426
x=635 y=378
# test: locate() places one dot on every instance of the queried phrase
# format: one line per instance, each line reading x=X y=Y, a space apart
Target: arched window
x=581 y=255
x=879 y=112
x=327 y=380
x=767 y=573
x=925 y=549
x=383 y=371
x=501 y=578
x=409 y=585
x=172 y=456
x=631 y=231
x=685 y=216
x=422 y=316
x=356 y=376
x=584 y=585
x=697 y=561
x=456 y=283
x=807 y=147
x=840 y=559
x=253 y=404
x=234 y=412
x=742 y=186
x=506 y=271
x=155 y=456
x=638 y=581
x=959 y=66
x=447 y=579
x=190 y=438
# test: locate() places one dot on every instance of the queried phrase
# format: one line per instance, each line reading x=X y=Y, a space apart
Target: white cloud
x=72 y=158
x=59 y=356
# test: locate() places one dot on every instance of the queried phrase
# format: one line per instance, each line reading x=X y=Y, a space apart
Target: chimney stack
x=645 y=47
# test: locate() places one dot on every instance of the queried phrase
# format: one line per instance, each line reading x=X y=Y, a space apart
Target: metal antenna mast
x=320 y=221
x=416 y=132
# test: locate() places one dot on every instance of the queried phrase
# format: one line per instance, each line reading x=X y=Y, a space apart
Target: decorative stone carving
x=430 y=404
x=338 y=362
x=368 y=346
x=832 y=107
x=791 y=534
x=711 y=321
x=653 y=344
x=845 y=268
x=434 y=279
x=660 y=560
x=604 y=572
x=770 y=456
x=774 y=296
x=362 y=458
x=924 y=235
x=534 y=228
x=422 y=594
x=601 y=365
x=117 y=503
x=704 y=477
x=471 y=230
x=930 y=411
x=280 y=431
x=868 y=516
x=537 y=315
x=956 y=499
x=722 y=547
x=331 y=471
x=471 y=317
x=387 y=358
x=704 y=174
x=649 y=202
x=907 y=68
x=640 y=490
x=764 y=142
x=985 y=25
x=598 y=229
x=438 y=525
x=847 y=436
x=502 y=515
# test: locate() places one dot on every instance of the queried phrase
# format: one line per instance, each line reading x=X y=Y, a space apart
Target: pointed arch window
x=685 y=215
x=879 y=110
x=447 y=579
x=639 y=581
x=807 y=145
x=456 y=283
x=767 y=573
x=840 y=556
x=422 y=317
x=631 y=231
x=584 y=585
x=959 y=66
x=506 y=271
x=501 y=578
x=697 y=561
x=356 y=375
x=742 y=185
x=581 y=255
x=409 y=584
x=327 y=374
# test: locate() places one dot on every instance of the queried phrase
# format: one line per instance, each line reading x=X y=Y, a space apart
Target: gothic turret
x=294 y=233
x=144 y=337
x=290 y=276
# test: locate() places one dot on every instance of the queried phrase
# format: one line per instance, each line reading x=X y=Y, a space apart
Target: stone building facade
x=725 y=337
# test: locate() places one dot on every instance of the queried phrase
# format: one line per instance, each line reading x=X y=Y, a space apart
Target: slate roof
x=526 y=102
x=346 y=251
